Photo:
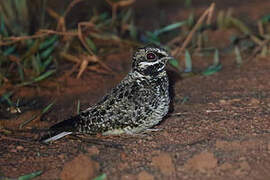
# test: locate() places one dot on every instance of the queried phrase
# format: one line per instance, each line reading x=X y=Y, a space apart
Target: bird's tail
x=55 y=137
x=60 y=130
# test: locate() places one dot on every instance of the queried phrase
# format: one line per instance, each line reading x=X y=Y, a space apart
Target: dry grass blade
x=256 y=40
x=81 y=37
x=125 y=3
x=61 y=23
x=260 y=28
x=210 y=14
x=49 y=31
x=15 y=39
x=93 y=57
x=29 y=120
x=115 y=5
x=70 y=57
x=70 y=6
x=40 y=34
x=206 y=13
x=76 y=60
x=83 y=67
x=258 y=49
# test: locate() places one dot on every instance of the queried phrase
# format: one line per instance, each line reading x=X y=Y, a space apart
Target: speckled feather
x=137 y=103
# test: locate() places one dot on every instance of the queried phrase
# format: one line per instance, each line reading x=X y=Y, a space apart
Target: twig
x=70 y=6
x=78 y=61
x=81 y=38
x=28 y=121
x=258 y=49
x=12 y=139
x=208 y=11
x=210 y=14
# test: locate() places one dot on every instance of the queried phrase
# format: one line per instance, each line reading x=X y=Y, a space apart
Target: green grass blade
x=169 y=28
x=9 y=50
x=220 y=19
x=8 y=11
x=188 y=62
x=91 y=44
x=21 y=72
x=48 y=42
x=103 y=16
x=27 y=121
x=126 y=16
x=30 y=176
x=46 y=63
x=152 y=38
x=101 y=177
x=238 y=58
x=36 y=62
x=78 y=107
x=212 y=70
x=47 y=52
x=188 y=3
x=133 y=30
x=6 y=97
x=22 y=10
x=216 y=58
x=3 y=30
x=174 y=63
x=265 y=19
x=32 y=50
x=47 y=108
x=185 y=99
x=240 y=25
x=44 y=76
x=190 y=20
x=215 y=67
x=39 y=78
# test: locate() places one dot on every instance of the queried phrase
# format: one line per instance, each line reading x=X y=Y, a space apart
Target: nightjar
x=137 y=103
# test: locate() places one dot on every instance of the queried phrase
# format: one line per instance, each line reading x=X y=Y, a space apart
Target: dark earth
x=218 y=128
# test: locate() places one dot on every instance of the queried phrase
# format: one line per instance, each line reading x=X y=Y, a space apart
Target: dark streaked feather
x=64 y=126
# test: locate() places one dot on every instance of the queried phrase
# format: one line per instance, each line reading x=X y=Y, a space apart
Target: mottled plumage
x=137 y=103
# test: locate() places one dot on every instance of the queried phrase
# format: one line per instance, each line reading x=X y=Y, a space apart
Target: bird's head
x=150 y=60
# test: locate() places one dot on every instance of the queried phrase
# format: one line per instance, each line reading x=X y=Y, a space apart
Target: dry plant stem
x=40 y=34
x=12 y=40
x=69 y=57
x=12 y=139
x=93 y=56
x=260 y=28
x=177 y=51
x=114 y=9
x=81 y=38
x=68 y=74
x=52 y=13
x=256 y=40
x=29 y=120
x=43 y=33
x=258 y=49
x=83 y=67
x=74 y=59
x=115 y=6
x=70 y=6
x=210 y=15
x=61 y=24
x=48 y=31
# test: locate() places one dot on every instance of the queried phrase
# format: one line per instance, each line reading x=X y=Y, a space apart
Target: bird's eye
x=151 y=56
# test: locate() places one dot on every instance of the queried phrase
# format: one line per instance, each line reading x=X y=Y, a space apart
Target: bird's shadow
x=173 y=78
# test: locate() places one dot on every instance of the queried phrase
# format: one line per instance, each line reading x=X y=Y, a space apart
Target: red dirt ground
x=221 y=132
